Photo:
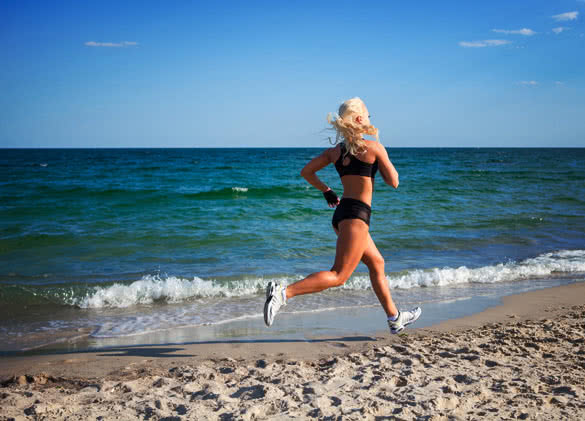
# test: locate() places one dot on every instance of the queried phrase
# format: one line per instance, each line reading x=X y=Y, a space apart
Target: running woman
x=356 y=160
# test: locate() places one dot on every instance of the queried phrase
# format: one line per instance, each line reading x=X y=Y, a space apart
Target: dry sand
x=524 y=359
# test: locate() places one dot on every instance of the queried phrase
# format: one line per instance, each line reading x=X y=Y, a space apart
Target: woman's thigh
x=352 y=240
x=372 y=257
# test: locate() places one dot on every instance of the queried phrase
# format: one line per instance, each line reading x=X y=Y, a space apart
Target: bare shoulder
x=333 y=153
x=378 y=149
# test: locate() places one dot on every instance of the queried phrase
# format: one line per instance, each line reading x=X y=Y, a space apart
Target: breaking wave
x=172 y=289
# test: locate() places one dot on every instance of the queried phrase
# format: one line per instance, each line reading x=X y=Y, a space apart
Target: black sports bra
x=355 y=166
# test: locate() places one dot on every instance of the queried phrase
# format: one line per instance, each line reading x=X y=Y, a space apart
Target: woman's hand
x=331 y=197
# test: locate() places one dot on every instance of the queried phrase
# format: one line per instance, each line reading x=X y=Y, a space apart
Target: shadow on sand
x=166 y=351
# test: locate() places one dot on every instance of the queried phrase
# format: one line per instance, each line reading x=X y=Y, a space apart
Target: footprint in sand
x=398 y=381
x=463 y=378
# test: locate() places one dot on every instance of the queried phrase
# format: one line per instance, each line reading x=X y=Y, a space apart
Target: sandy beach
x=524 y=359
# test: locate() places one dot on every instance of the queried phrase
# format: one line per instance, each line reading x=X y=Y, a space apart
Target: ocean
x=103 y=247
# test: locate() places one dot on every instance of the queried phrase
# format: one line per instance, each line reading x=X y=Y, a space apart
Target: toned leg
x=375 y=263
x=351 y=244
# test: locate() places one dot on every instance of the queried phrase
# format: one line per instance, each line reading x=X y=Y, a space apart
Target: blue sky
x=250 y=73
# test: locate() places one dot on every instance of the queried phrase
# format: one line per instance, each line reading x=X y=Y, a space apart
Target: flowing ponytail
x=347 y=130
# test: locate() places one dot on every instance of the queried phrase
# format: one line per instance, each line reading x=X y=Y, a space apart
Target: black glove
x=331 y=197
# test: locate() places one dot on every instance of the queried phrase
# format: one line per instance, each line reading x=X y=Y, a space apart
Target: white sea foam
x=240 y=189
x=565 y=261
x=145 y=324
x=170 y=289
x=174 y=289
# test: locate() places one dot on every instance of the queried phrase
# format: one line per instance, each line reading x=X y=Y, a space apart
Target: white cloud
x=560 y=29
x=523 y=31
x=559 y=83
x=528 y=82
x=111 y=44
x=484 y=43
x=566 y=16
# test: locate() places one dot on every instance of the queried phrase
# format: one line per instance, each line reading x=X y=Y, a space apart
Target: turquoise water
x=117 y=242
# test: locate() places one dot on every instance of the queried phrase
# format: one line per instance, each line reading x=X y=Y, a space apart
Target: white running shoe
x=404 y=319
x=275 y=298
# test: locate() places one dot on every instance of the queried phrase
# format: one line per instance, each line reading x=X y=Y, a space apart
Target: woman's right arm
x=387 y=170
x=317 y=163
x=309 y=174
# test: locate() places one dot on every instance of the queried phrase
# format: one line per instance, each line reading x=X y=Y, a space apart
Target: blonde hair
x=347 y=130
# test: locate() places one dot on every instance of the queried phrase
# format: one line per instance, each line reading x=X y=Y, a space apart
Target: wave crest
x=172 y=289
x=565 y=261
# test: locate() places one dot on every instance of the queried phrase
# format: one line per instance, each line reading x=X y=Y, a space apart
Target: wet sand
x=524 y=359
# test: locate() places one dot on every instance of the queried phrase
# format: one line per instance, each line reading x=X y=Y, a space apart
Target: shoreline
x=546 y=302
x=302 y=321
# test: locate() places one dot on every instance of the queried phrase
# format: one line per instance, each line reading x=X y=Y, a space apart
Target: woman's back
x=356 y=186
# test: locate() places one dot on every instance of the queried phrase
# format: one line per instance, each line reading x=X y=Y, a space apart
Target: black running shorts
x=351 y=209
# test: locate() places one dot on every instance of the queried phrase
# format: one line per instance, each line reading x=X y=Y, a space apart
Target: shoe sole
x=269 y=294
